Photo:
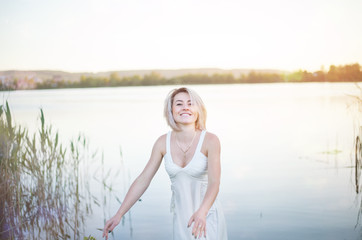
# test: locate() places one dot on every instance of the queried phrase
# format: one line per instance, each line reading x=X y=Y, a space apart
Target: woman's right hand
x=110 y=225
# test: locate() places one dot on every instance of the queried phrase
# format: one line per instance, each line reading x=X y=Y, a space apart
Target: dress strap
x=201 y=140
x=168 y=142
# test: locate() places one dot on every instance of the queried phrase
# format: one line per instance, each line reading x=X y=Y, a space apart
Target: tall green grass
x=44 y=187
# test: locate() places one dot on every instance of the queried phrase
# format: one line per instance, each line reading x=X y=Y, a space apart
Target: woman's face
x=183 y=110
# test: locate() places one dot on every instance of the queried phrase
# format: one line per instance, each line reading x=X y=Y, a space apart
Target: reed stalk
x=44 y=187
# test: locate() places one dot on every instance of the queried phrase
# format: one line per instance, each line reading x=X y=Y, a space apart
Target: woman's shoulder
x=160 y=143
x=162 y=138
x=211 y=144
x=209 y=136
x=212 y=139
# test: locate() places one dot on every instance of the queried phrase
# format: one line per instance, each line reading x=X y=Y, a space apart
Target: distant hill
x=42 y=75
x=16 y=80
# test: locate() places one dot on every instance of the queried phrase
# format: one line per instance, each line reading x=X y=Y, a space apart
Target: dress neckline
x=198 y=149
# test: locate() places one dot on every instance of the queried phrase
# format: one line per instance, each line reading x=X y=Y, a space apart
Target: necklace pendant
x=187 y=148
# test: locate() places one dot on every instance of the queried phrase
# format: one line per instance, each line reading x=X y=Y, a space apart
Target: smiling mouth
x=185 y=114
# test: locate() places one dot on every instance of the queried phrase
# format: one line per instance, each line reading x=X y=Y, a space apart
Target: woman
x=192 y=160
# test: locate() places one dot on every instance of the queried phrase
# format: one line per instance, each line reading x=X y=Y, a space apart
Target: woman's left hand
x=199 y=220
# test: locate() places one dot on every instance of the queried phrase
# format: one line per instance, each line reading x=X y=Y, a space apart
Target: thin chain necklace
x=187 y=148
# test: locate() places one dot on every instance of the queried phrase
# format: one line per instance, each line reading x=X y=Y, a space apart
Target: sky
x=110 y=35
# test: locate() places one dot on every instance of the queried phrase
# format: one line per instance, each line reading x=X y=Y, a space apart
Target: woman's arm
x=139 y=185
x=214 y=172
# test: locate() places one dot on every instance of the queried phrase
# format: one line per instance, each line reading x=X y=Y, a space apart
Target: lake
x=287 y=154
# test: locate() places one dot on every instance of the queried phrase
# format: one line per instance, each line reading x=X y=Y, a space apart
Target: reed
x=356 y=109
x=44 y=187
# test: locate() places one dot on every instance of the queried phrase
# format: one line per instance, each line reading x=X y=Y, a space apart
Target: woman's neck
x=186 y=132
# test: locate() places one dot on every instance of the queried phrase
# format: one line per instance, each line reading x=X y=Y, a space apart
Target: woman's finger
x=196 y=229
x=105 y=234
x=190 y=221
x=107 y=229
x=104 y=230
x=197 y=234
x=200 y=230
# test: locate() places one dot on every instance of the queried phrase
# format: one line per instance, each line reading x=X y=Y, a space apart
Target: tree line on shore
x=343 y=73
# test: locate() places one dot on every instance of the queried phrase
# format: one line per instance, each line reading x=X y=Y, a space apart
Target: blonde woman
x=192 y=160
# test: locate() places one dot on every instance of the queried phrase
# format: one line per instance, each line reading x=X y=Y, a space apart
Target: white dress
x=188 y=187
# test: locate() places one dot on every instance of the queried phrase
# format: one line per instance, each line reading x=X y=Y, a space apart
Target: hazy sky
x=103 y=35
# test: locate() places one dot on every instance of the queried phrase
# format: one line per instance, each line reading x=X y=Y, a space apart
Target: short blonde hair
x=195 y=99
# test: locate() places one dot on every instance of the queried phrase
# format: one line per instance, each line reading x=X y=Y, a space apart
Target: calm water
x=287 y=154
